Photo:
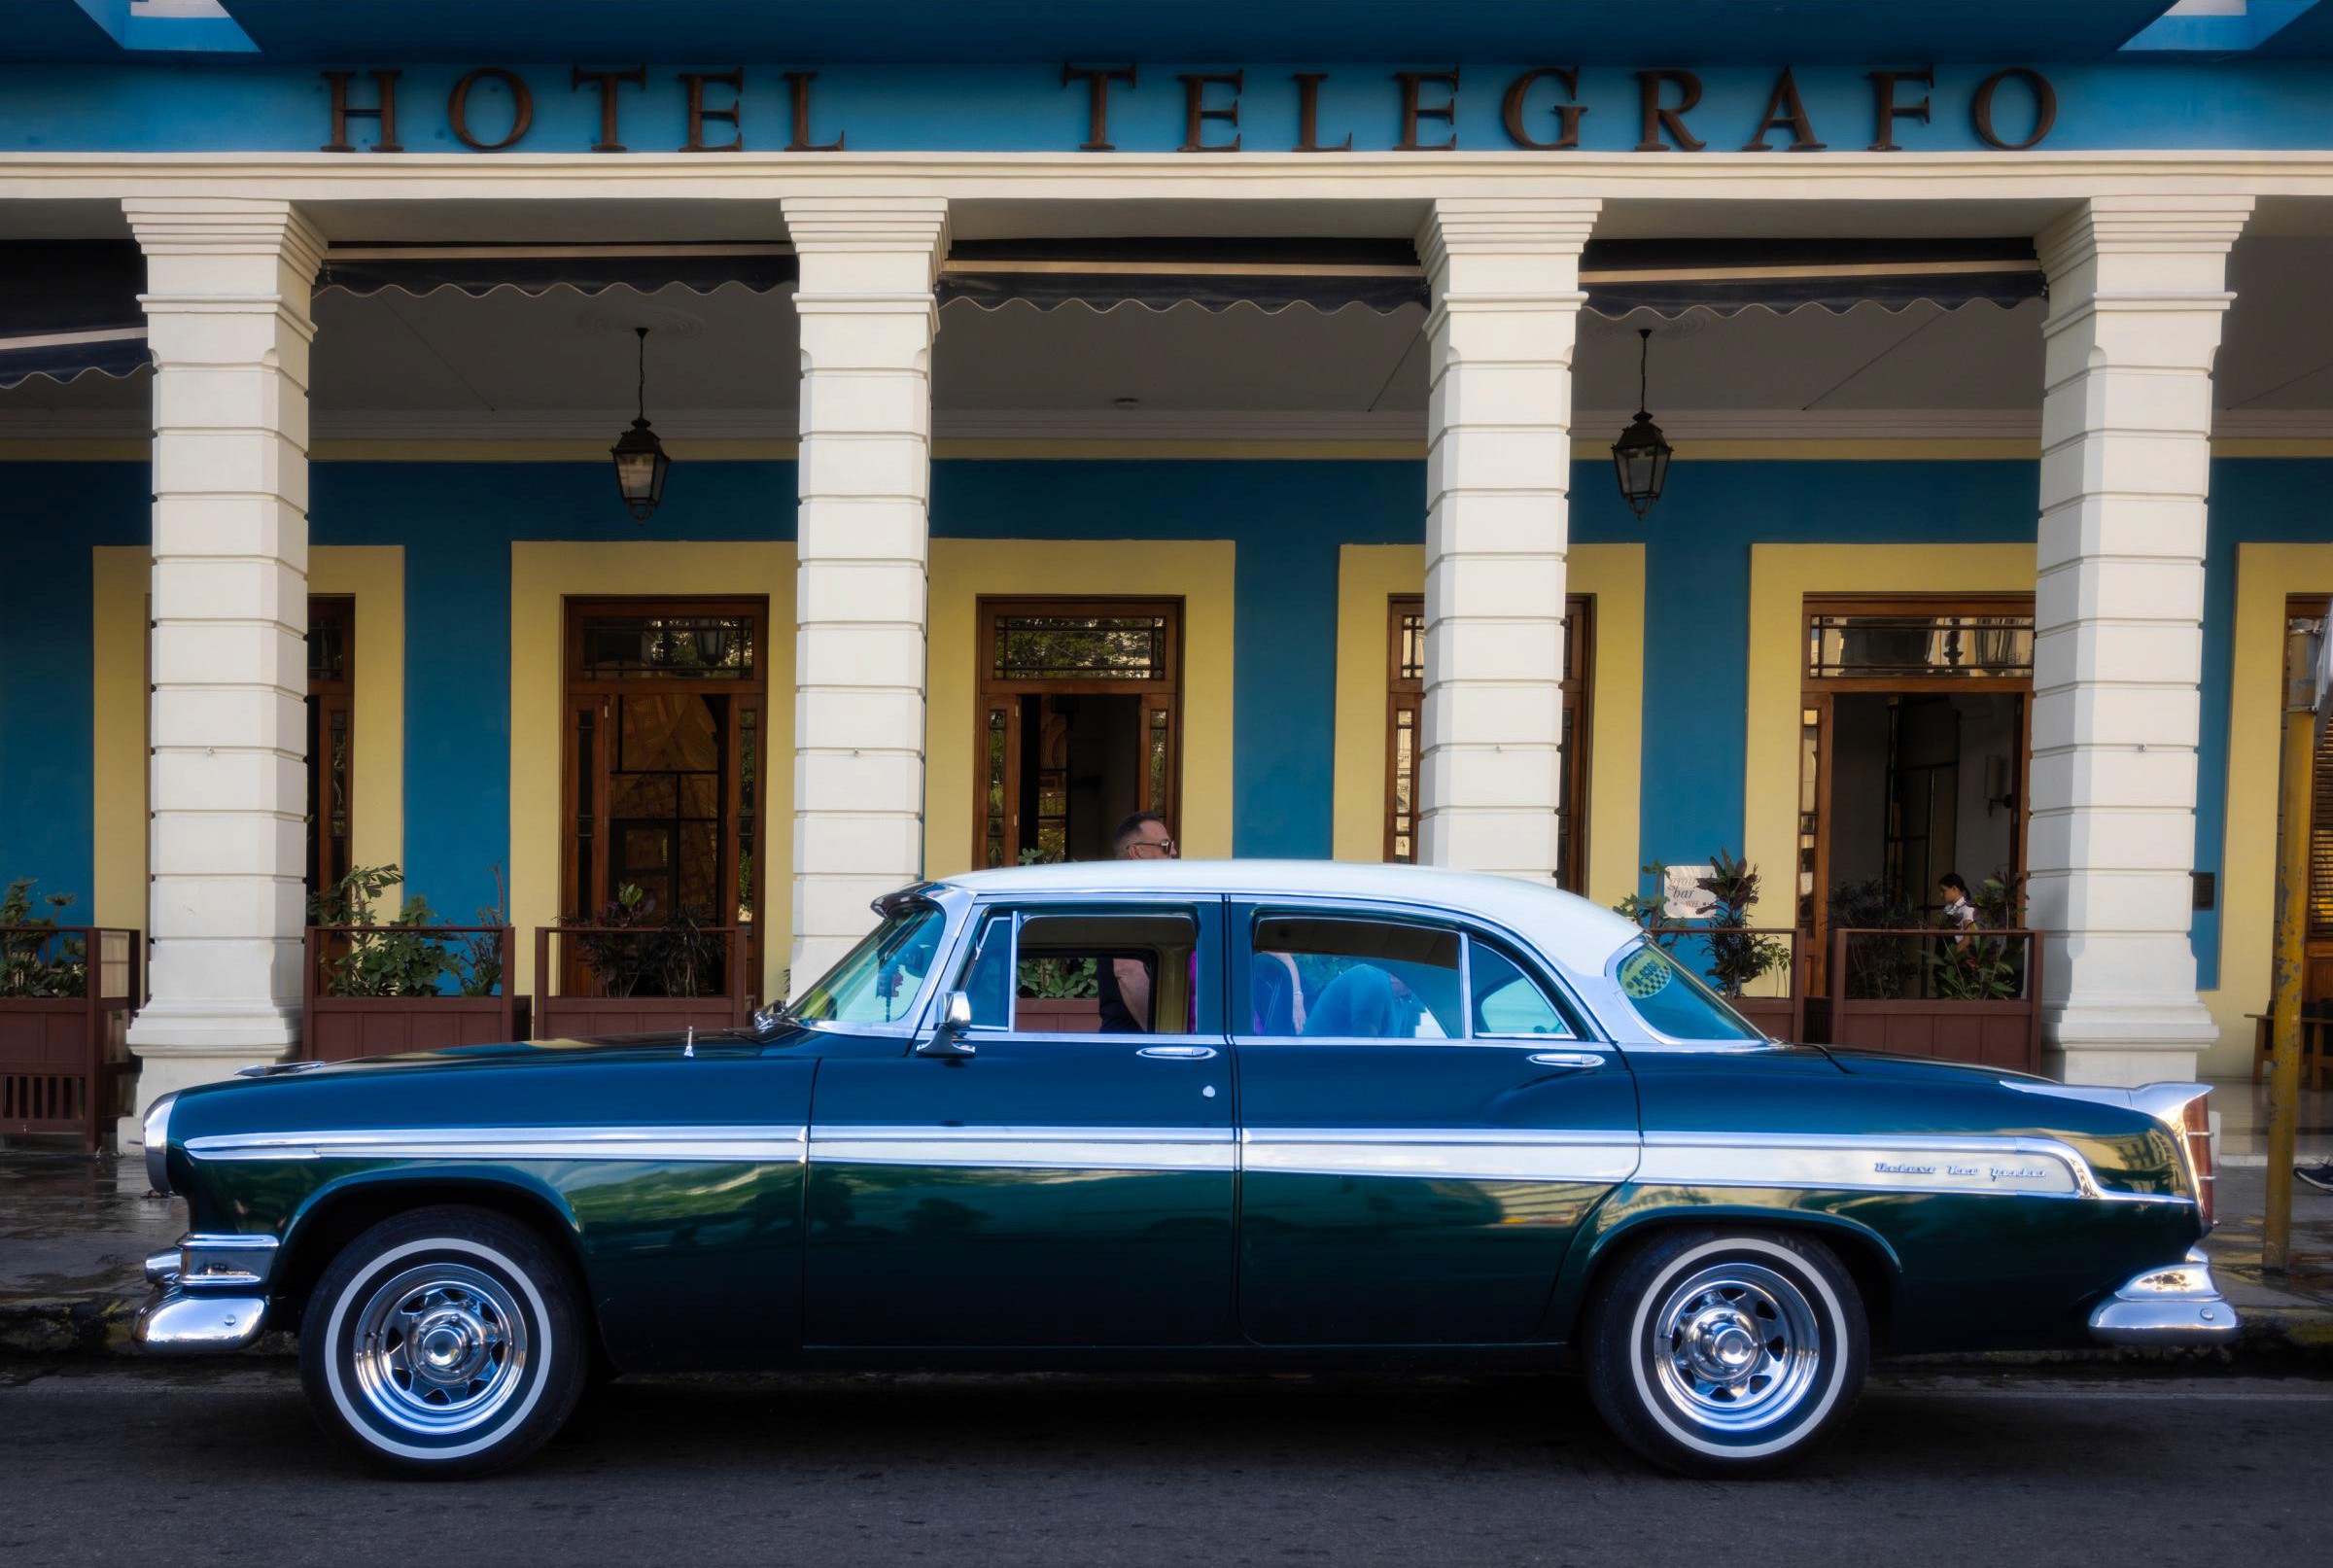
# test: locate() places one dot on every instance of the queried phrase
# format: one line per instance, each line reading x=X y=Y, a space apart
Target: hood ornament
x=689 y=1046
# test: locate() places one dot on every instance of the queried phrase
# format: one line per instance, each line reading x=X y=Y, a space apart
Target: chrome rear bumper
x=2176 y=1305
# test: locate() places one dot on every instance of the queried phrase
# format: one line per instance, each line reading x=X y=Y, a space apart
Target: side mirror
x=948 y=1040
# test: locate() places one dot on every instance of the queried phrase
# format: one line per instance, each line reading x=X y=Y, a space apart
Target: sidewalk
x=74 y=1232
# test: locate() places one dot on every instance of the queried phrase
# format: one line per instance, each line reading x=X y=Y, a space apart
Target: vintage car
x=1309 y=1116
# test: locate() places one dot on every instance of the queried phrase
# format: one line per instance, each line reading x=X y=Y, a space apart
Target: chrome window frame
x=980 y=909
x=1525 y=956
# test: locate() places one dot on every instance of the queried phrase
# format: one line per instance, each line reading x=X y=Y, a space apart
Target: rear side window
x=1672 y=1002
x=1354 y=980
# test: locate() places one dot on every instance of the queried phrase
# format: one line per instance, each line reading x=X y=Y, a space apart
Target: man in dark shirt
x=1124 y=984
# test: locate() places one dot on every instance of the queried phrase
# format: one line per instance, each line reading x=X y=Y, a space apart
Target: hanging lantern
x=639 y=461
x=1641 y=456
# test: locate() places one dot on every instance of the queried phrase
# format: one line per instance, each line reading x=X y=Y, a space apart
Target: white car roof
x=1578 y=935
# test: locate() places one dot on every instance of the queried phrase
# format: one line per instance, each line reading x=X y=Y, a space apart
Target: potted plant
x=66 y=996
x=632 y=967
x=377 y=986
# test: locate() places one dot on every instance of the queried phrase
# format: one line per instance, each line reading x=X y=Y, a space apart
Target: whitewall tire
x=1717 y=1353
x=445 y=1342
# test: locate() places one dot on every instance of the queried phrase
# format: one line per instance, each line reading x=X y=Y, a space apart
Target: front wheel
x=1727 y=1353
x=445 y=1342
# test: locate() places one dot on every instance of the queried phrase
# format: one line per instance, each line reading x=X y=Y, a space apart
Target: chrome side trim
x=1463 y=1154
x=182 y=1325
x=756 y=1144
x=2177 y=1303
x=1030 y=1148
x=1976 y=1165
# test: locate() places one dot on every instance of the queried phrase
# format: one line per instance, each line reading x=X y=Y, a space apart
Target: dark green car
x=1181 y=1115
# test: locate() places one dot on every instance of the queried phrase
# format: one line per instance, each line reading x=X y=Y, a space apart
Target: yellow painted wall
x=1366 y=574
x=1198 y=572
x=543 y=576
x=2265 y=574
x=1781 y=576
x=374 y=575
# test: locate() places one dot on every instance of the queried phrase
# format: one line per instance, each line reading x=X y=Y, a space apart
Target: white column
x=1506 y=284
x=863 y=538
x=227 y=316
x=2138 y=287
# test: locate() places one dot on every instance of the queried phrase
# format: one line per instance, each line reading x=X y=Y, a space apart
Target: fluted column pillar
x=868 y=317
x=2138 y=287
x=1505 y=275
x=228 y=283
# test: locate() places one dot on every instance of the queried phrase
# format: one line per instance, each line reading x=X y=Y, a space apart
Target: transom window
x=695 y=647
x=1856 y=646
x=1073 y=647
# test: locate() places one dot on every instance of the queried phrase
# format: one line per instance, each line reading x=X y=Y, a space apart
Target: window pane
x=1507 y=1001
x=1354 y=980
x=1672 y=1002
x=877 y=981
x=1056 y=647
x=694 y=648
x=1852 y=645
x=1120 y=973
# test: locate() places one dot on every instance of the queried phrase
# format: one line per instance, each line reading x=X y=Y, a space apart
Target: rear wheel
x=1727 y=1353
x=445 y=1342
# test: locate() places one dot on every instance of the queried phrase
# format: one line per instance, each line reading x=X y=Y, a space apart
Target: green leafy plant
x=1883 y=967
x=1650 y=910
x=1736 y=957
x=1981 y=969
x=1058 y=979
x=641 y=955
x=33 y=962
x=400 y=956
x=478 y=965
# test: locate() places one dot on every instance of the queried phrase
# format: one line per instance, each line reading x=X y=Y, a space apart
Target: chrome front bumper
x=206 y=1306
x=2176 y=1305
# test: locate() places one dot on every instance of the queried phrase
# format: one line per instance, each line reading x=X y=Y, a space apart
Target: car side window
x=1327 y=978
x=1114 y=971
x=1507 y=1004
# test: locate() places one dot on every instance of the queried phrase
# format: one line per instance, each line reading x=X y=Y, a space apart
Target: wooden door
x=665 y=735
x=332 y=736
x=1040 y=660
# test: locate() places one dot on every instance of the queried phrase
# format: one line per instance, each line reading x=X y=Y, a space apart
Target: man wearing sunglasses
x=1124 y=984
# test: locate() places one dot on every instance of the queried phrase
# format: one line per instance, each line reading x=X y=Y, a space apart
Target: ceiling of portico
x=724 y=366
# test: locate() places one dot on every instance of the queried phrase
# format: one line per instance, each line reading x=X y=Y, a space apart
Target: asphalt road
x=203 y=1463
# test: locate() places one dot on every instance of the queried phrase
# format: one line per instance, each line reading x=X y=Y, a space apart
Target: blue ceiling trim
x=2219 y=34
x=1670 y=32
x=142 y=32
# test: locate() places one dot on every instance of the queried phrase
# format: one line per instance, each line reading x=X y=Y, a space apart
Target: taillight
x=2195 y=1124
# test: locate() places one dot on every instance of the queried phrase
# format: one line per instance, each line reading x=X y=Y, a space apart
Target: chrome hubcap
x=1736 y=1347
x=439 y=1348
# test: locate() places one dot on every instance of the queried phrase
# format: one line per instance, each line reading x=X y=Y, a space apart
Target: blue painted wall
x=1287 y=519
x=54 y=514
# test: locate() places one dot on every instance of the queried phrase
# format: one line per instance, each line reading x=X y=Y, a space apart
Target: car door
x=1054 y=1184
x=1424 y=1121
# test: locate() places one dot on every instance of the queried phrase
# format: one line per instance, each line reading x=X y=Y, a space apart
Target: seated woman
x=1363 y=1003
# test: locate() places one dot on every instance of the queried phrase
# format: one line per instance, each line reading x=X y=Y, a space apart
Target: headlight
x=157 y=1143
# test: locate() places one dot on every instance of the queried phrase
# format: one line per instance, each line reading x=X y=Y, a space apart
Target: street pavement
x=110 y=1461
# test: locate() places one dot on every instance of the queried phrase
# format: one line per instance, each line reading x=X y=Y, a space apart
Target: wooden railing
x=64 y=1060
x=344 y=1028
x=590 y=1010
x=1978 y=1002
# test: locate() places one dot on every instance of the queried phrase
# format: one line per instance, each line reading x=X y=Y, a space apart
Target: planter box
x=349 y=1029
x=65 y=1060
x=1058 y=1015
x=583 y=1016
x=1992 y=1033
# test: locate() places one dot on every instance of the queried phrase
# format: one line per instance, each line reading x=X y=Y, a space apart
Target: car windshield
x=877 y=981
x=1673 y=1002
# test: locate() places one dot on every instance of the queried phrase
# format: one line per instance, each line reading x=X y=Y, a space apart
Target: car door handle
x=1566 y=1058
x=1177 y=1053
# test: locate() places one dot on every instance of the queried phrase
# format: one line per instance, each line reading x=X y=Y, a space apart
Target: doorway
x=666 y=702
x=2317 y=963
x=1915 y=731
x=1079 y=724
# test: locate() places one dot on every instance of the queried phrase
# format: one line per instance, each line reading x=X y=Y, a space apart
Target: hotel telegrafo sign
x=492 y=109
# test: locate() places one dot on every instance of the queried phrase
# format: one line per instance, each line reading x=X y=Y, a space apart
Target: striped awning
x=72 y=307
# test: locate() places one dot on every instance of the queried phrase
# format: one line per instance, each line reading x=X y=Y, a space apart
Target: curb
x=100 y=1326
